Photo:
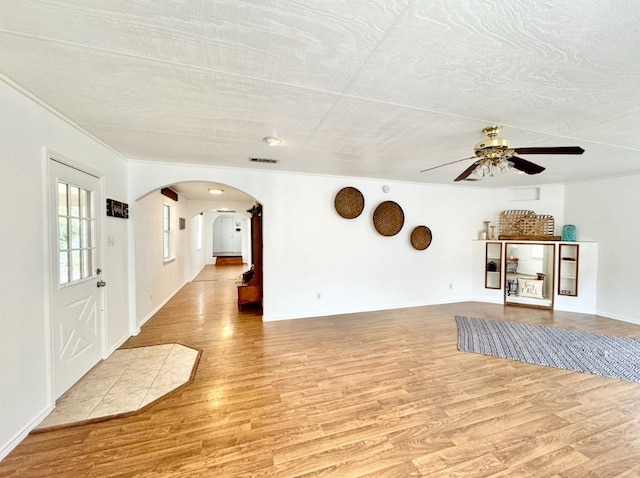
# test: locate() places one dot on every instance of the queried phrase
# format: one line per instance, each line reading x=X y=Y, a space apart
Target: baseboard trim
x=23 y=433
x=621 y=318
x=160 y=306
x=327 y=313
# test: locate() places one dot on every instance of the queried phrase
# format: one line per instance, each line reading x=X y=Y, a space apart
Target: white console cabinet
x=547 y=274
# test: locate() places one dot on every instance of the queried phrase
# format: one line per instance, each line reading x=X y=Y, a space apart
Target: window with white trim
x=167 y=239
x=199 y=232
x=75 y=233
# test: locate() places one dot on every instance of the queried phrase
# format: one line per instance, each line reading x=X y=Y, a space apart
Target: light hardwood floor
x=379 y=394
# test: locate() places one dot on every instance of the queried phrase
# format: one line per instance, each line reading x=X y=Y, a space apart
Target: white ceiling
x=368 y=88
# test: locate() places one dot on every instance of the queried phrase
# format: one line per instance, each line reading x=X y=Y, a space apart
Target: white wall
x=606 y=211
x=27 y=130
x=309 y=249
x=156 y=280
x=550 y=201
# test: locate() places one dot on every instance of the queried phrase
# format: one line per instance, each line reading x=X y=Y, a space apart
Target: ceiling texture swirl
x=365 y=88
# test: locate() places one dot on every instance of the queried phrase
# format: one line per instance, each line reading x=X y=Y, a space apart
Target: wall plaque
x=117 y=209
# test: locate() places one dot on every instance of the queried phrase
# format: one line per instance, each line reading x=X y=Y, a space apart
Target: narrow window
x=166 y=232
x=199 y=232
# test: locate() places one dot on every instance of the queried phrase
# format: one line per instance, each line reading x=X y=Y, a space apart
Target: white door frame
x=51 y=234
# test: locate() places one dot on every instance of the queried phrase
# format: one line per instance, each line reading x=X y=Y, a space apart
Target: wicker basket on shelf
x=520 y=224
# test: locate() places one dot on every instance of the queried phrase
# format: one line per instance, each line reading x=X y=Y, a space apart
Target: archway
x=193 y=214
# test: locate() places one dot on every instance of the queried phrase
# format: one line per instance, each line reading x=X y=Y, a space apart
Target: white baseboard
x=118 y=345
x=618 y=317
x=329 y=312
x=6 y=448
x=160 y=306
x=196 y=274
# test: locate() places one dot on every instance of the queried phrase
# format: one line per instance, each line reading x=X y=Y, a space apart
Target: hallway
x=374 y=394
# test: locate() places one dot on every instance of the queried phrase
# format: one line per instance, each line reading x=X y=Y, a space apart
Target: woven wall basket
x=349 y=203
x=421 y=237
x=388 y=218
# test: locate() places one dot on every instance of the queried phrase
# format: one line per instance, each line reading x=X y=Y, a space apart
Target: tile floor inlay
x=126 y=382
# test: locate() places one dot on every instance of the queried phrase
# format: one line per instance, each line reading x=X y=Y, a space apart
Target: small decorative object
x=248 y=275
x=512 y=264
x=349 y=203
x=492 y=266
x=421 y=237
x=486 y=229
x=569 y=233
x=388 y=218
x=483 y=235
x=493 y=232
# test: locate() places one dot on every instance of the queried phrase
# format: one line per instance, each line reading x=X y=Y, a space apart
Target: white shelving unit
x=568 y=269
x=573 y=286
x=493 y=266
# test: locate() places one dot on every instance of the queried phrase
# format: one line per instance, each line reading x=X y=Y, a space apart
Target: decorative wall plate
x=421 y=237
x=349 y=203
x=388 y=218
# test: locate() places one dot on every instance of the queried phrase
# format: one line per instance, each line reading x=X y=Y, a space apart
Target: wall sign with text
x=117 y=209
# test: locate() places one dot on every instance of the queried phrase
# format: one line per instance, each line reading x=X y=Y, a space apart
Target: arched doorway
x=159 y=278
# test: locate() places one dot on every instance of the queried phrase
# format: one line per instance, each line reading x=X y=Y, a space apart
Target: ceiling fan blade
x=447 y=164
x=467 y=172
x=525 y=166
x=551 y=150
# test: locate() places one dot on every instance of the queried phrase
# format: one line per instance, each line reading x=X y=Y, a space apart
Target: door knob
x=101 y=283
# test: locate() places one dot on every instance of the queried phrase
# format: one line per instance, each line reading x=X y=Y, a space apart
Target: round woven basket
x=388 y=218
x=421 y=237
x=349 y=203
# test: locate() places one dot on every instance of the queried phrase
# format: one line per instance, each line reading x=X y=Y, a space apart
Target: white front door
x=76 y=228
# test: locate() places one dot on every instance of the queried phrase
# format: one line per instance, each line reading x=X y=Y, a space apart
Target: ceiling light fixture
x=492 y=167
x=271 y=141
x=216 y=191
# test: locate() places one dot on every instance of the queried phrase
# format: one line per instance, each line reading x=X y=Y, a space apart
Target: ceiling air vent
x=263 y=160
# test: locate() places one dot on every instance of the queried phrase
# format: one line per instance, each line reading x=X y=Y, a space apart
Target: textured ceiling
x=370 y=88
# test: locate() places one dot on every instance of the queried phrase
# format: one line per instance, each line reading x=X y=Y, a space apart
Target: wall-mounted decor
x=388 y=218
x=182 y=223
x=349 y=203
x=117 y=209
x=421 y=237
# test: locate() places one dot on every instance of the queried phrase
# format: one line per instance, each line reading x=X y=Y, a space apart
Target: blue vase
x=569 y=233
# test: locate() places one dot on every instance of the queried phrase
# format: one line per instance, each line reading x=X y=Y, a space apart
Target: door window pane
x=75 y=233
x=76 y=273
x=63 y=233
x=62 y=199
x=86 y=263
x=85 y=203
x=74 y=201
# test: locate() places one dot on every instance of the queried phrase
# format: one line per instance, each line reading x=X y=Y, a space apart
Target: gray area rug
x=609 y=356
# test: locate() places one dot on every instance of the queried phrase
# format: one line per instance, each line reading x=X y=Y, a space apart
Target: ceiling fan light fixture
x=492 y=167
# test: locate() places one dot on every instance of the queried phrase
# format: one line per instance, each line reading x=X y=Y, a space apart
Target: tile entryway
x=125 y=383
